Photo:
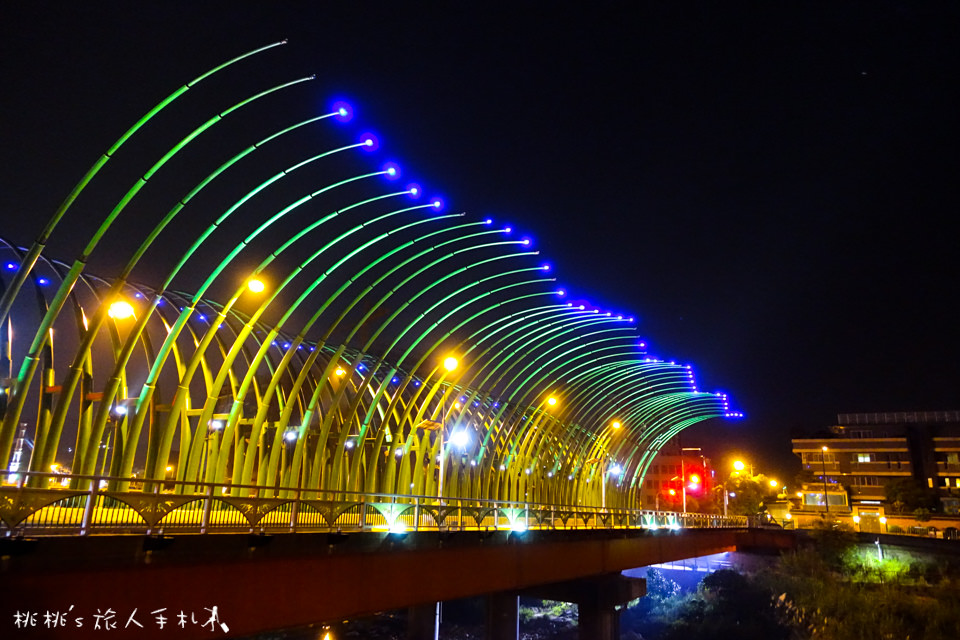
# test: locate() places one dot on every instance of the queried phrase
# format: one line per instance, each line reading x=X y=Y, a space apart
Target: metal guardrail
x=172 y=507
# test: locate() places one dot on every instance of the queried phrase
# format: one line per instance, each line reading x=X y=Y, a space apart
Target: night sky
x=771 y=188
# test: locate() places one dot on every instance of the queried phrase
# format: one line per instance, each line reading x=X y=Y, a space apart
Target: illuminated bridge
x=267 y=328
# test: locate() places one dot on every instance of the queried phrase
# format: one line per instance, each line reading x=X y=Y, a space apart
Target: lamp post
x=823 y=463
x=450 y=364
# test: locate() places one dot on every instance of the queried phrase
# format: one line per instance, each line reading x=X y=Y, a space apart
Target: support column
x=598 y=621
x=421 y=621
x=503 y=616
x=597 y=599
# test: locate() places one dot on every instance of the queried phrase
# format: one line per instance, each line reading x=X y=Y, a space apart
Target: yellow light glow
x=456 y=405
x=169 y=467
x=120 y=310
x=551 y=401
x=773 y=483
x=450 y=363
x=54 y=466
x=883 y=520
x=856 y=519
x=672 y=492
x=256 y=285
x=824 y=447
x=789 y=516
x=340 y=371
x=615 y=425
x=739 y=466
x=694 y=478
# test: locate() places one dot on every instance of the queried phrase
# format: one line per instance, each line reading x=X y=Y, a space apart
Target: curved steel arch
x=332 y=380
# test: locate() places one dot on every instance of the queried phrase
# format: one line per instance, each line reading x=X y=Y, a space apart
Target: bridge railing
x=173 y=507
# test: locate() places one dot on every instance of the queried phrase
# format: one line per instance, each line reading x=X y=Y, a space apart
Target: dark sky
x=771 y=188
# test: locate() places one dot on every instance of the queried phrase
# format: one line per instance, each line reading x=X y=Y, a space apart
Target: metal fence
x=170 y=507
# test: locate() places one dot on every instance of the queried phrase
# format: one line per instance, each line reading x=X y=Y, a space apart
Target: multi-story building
x=673 y=473
x=860 y=456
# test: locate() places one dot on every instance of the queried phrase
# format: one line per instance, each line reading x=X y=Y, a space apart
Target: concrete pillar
x=597 y=599
x=598 y=621
x=503 y=616
x=421 y=621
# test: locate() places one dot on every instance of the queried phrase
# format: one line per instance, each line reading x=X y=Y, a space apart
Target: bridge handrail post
x=295 y=511
x=207 y=506
x=87 y=519
x=363 y=513
x=416 y=513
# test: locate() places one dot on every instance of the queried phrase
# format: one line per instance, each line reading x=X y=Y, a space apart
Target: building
x=854 y=462
x=664 y=487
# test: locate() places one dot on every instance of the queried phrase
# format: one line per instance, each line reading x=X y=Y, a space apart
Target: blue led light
x=561 y=292
x=343 y=112
x=369 y=142
x=286 y=345
x=416 y=383
x=507 y=229
x=545 y=266
x=525 y=241
x=42 y=282
x=438 y=203
x=414 y=190
x=391 y=171
x=394 y=380
x=11 y=266
x=488 y=221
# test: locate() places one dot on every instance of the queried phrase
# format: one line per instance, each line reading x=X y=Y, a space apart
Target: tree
x=908 y=495
x=748 y=493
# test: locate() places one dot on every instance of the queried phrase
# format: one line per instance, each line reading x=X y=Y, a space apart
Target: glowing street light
x=739 y=465
x=256 y=285
x=120 y=310
x=615 y=424
x=551 y=401
x=450 y=363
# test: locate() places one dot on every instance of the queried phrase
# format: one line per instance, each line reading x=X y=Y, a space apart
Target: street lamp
x=823 y=463
x=120 y=310
x=256 y=285
x=450 y=364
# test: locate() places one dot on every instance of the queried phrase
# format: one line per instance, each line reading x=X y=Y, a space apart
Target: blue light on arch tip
x=342 y=111
x=11 y=266
x=42 y=282
x=391 y=171
x=437 y=203
x=414 y=190
x=545 y=266
x=369 y=142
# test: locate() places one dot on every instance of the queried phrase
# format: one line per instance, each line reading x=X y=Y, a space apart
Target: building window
x=953 y=458
x=864 y=457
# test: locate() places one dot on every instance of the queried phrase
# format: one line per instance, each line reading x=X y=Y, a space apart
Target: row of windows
x=664 y=469
x=818 y=457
